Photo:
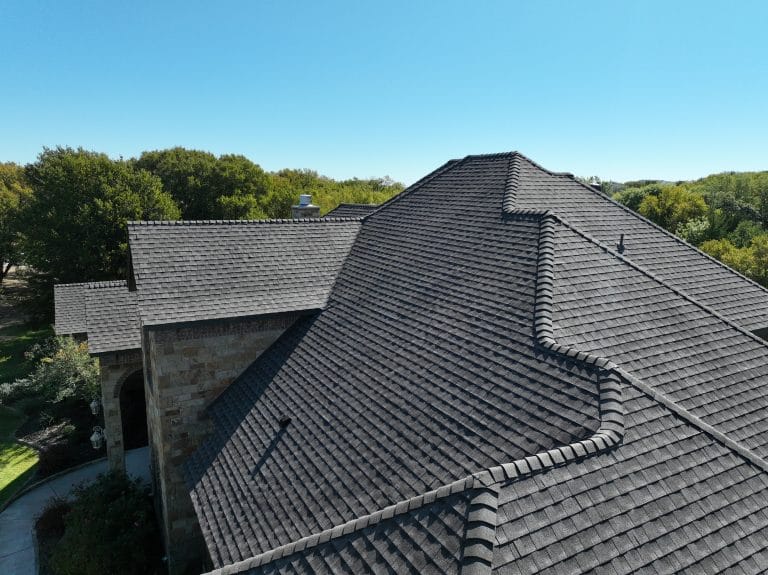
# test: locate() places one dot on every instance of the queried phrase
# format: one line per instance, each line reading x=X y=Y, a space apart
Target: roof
x=112 y=317
x=352 y=210
x=69 y=304
x=202 y=270
x=580 y=409
x=668 y=257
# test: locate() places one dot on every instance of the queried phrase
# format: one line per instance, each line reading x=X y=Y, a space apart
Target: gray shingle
x=422 y=369
x=428 y=363
x=112 y=317
x=69 y=308
x=666 y=256
x=189 y=271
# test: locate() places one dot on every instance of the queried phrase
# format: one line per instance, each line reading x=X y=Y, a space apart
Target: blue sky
x=619 y=89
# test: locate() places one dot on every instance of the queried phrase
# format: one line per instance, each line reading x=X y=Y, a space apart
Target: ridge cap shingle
x=170 y=223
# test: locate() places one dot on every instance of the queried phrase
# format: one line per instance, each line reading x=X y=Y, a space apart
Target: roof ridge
x=659 y=228
x=106 y=284
x=71 y=285
x=324 y=220
x=545 y=333
x=480 y=541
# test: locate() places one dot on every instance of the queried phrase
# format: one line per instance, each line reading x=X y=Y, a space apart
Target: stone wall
x=115 y=368
x=186 y=368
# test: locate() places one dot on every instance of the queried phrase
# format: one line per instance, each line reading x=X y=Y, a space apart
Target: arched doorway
x=133 y=411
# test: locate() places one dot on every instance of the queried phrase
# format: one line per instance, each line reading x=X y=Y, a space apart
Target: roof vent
x=284 y=421
x=305 y=208
x=620 y=245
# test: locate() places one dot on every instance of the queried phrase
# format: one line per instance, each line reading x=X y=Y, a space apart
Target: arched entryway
x=133 y=411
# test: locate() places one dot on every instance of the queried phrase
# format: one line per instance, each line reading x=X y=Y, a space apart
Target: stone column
x=114 y=368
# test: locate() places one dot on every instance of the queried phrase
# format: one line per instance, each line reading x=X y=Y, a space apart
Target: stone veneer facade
x=115 y=368
x=185 y=368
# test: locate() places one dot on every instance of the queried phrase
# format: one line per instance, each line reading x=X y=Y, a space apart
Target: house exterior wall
x=114 y=369
x=186 y=368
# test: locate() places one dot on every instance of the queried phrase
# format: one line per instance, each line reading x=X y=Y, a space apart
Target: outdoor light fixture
x=95 y=407
x=97 y=438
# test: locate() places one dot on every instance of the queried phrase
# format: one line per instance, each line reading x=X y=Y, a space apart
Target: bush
x=50 y=523
x=64 y=372
x=110 y=529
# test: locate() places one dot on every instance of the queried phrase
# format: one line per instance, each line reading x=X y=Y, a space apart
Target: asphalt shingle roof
x=587 y=408
x=190 y=271
x=69 y=303
x=423 y=368
x=677 y=263
x=112 y=317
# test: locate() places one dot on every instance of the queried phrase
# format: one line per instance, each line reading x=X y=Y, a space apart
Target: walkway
x=17 y=553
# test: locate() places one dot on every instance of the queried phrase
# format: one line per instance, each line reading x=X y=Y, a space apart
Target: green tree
x=675 y=205
x=75 y=221
x=632 y=197
x=14 y=192
x=207 y=187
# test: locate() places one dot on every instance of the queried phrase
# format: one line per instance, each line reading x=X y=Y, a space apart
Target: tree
x=75 y=221
x=14 y=192
x=206 y=187
x=675 y=205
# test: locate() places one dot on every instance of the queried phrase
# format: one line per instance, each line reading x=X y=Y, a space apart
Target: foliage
x=633 y=197
x=725 y=215
x=66 y=373
x=16 y=461
x=50 y=522
x=109 y=529
x=14 y=193
x=15 y=342
x=693 y=231
x=75 y=221
x=673 y=206
x=207 y=187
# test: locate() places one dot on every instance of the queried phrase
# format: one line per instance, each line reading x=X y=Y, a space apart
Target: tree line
x=724 y=215
x=65 y=214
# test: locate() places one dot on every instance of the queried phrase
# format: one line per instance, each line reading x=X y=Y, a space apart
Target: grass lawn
x=16 y=461
x=14 y=341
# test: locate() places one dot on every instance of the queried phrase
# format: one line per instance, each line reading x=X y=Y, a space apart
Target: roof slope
x=704 y=363
x=669 y=500
x=680 y=265
x=189 y=271
x=352 y=210
x=112 y=317
x=462 y=335
x=69 y=308
x=422 y=369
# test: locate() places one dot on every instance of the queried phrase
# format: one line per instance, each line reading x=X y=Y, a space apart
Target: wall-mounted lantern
x=97 y=438
x=95 y=407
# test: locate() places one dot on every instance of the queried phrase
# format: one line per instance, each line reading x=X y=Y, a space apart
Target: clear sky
x=622 y=89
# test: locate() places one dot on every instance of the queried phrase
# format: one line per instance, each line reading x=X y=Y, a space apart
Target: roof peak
x=169 y=223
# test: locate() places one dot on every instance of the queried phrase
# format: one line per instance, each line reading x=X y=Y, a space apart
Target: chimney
x=305 y=209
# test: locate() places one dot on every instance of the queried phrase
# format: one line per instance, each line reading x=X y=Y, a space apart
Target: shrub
x=110 y=529
x=50 y=522
x=64 y=371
